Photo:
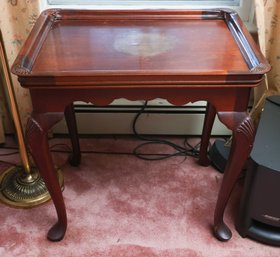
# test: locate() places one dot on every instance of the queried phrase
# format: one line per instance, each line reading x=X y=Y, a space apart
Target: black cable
x=9 y=147
x=9 y=163
x=179 y=150
x=7 y=154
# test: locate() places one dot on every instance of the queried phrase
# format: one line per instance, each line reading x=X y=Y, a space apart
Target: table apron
x=223 y=99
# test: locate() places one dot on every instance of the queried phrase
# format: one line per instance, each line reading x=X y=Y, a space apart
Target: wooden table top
x=127 y=45
x=199 y=47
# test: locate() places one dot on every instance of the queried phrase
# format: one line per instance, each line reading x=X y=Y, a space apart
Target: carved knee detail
x=247 y=129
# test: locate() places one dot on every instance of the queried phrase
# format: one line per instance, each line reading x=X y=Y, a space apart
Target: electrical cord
x=186 y=150
x=8 y=154
x=179 y=150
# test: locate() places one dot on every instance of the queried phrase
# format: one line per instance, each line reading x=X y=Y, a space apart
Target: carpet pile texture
x=122 y=206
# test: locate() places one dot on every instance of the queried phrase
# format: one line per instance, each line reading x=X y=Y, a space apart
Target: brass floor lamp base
x=19 y=189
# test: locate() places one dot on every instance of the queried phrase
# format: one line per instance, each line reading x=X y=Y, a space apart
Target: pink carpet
x=119 y=205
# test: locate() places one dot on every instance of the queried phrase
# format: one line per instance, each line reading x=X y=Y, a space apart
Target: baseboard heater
x=156 y=119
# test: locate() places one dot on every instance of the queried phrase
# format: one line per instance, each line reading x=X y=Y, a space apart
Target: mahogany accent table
x=98 y=56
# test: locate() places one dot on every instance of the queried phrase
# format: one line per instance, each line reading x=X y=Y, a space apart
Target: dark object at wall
x=259 y=214
x=218 y=155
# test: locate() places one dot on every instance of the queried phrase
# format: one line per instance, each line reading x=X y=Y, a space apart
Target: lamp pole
x=21 y=185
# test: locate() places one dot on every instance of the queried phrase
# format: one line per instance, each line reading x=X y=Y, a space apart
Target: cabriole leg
x=243 y=132
x=37 y=138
